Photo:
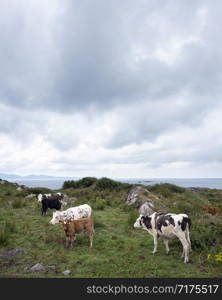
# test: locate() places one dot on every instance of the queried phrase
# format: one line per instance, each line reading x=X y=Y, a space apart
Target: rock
x=72 y=200
x=30 y=196
x=66 y=272
x=21 y=187
x=198 y=189
x=37 y=268
x=11 y=253
x=147 y=208
x=139 y=195
x=2 y=181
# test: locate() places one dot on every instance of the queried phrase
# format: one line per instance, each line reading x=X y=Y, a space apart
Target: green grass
x=118 y=250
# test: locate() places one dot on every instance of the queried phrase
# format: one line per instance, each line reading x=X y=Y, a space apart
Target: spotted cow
x=167 y=227
x=72 y=213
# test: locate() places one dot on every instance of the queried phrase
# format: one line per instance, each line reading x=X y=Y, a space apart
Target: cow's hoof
x=153 y=252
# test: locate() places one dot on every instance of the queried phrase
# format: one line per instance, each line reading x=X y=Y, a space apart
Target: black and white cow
x=39 y=197
x=52 y=202
x=167 y=227
x=60 y=196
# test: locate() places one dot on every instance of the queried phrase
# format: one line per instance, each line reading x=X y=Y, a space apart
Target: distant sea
x=213 y=183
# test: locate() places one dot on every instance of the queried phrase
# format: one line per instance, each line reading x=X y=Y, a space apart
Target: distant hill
x=32 y=177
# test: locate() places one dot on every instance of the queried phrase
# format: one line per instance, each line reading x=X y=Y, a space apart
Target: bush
x=87 y=181
x=205 y=235
x=133 y=215
x=70 y=184
x=8 y=193
x=37 y=190
x=106 y=183
x=82 y=183
x=100 y=203
x=6 y=228
x=18 y=203
x=166 y=189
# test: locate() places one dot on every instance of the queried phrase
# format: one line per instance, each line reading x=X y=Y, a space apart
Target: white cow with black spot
x=72 y=213
x=167 y=227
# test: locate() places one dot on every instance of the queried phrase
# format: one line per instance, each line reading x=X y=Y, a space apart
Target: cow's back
x=78 y=212
x=168 y=225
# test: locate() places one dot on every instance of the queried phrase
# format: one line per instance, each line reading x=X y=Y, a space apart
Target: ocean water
x=213 y=183
x=53 y=184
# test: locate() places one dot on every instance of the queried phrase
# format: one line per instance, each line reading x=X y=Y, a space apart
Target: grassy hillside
x=119 y=250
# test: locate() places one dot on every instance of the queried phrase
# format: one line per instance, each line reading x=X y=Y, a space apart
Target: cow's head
x=139 y=221
x=56 y=218
x=143 y=222
x=39 y=198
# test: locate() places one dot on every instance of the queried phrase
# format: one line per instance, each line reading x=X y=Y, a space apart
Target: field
x=118 y=250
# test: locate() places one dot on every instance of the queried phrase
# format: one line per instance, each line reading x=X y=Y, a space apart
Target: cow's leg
x=155 y=243
x=72 y=241
x=185 y=244
x=43 y=209
x=90 y=240
x=167 y=246
x=188 y=238
x=67 y=241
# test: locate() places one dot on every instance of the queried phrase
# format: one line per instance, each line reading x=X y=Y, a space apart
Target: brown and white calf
x=167 y=227
x=73 y=227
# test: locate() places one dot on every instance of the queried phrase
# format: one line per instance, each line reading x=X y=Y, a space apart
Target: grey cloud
x=22 y=125
x=87 y=56
x=145 y=122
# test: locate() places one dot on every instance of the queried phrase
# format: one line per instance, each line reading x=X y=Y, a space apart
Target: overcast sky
x=111 y=88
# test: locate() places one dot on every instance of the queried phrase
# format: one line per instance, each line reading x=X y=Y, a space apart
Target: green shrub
x=133 y=215
x=37 y=190
x=82 y=183
x=4 y=236
x=87 y=181
x=100 y=203
x=18 y=203
x=70 y=184
x=22 y=193
x=6 y=228
x=106 y=183
x=166 y=189
x=11 y=226
x=8 y=193
x=205 y=235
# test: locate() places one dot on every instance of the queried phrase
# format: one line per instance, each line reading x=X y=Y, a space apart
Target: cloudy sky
x=111 y=88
